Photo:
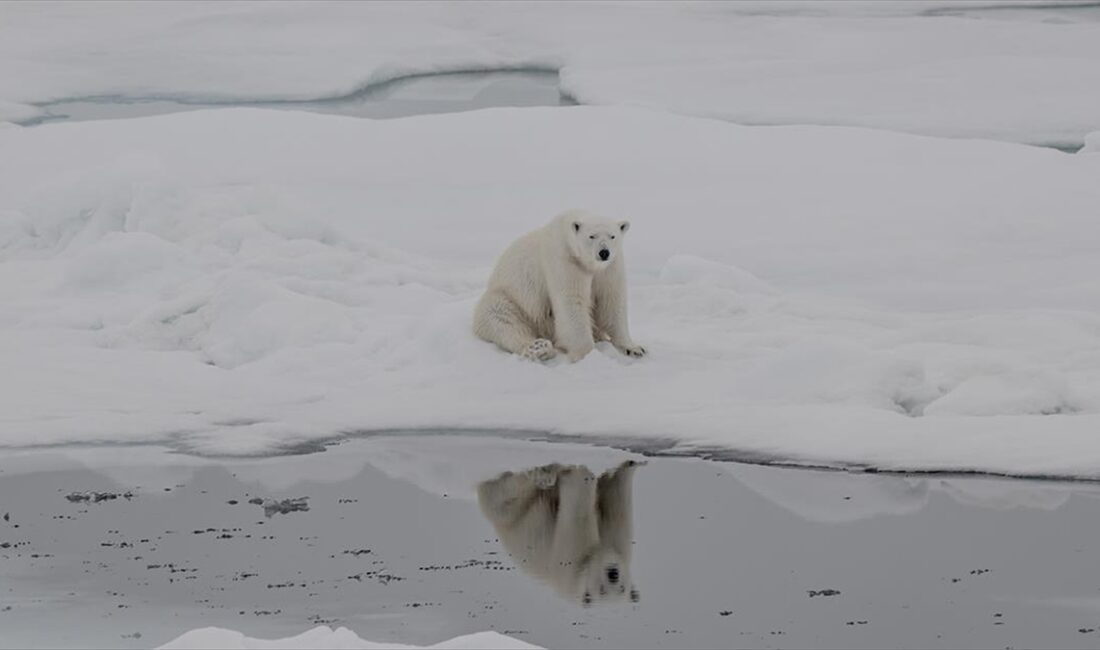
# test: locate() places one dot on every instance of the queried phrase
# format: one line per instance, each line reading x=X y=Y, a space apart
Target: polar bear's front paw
x=545 y=477
x=633 y=350
x=539 y=350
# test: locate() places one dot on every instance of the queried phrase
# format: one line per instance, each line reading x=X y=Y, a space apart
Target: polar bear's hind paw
x=539 y=350
x=545 y=477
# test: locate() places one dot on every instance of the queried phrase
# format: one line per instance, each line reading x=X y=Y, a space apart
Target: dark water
x=403 y=97
x=393 y=538
x=415 y=95
x=1048 y=11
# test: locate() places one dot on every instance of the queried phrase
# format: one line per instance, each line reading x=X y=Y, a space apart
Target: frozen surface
x=1021 y=73
x=323 y=638
x=395 y=547
x=244 y=281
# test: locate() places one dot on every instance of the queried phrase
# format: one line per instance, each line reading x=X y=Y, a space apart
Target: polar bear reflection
x=566 y=527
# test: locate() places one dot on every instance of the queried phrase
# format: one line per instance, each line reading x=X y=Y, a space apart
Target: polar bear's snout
x=613 y=574
x=596 y=242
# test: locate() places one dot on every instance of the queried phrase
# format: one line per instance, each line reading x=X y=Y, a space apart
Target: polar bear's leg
x=571 y=300
x=610 y=314
x=577 y=528
x=614 y=495
x=500 y=321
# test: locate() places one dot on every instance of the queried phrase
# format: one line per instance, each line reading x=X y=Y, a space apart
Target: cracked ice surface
x=939 y=68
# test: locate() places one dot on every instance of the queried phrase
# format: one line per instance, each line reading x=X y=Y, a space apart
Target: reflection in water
x=567 y=528
x=392 y=547
x=842 y=497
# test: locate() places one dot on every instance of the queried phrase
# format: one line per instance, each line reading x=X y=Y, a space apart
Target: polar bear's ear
x=576 y=226
x=624 y=226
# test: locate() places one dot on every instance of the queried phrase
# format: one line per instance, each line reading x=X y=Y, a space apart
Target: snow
x=247 y=282
x=243 y=282
x=1024 y=75
x=326 y=637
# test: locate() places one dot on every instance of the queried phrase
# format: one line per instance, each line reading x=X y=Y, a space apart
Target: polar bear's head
x=605 y=578
x=593 y=241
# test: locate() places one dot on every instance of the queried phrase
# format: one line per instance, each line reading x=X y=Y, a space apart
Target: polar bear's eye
x=591 y=236
x=613 y=236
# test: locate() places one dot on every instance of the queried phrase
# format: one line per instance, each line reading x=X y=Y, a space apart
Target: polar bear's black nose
x=612 y=574
x=604 y=254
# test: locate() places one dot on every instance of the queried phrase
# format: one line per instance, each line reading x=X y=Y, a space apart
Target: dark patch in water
x=96 y=497
x=285 y=506
x=1087 y=8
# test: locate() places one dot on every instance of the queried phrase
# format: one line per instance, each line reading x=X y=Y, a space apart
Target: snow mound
x=1010 y=393
x=323 y=637
x=1092 y=143
x=690 y=270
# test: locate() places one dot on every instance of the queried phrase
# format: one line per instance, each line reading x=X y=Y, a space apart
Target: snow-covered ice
x=844 y=253
x=942 y=68
x=213 y=638
x=244 y=281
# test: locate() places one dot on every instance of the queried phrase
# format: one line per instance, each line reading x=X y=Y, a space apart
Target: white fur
x=566 y=527
x=551 y=292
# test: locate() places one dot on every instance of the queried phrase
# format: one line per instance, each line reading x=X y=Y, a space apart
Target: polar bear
x=559 y=288
x=564 y=526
